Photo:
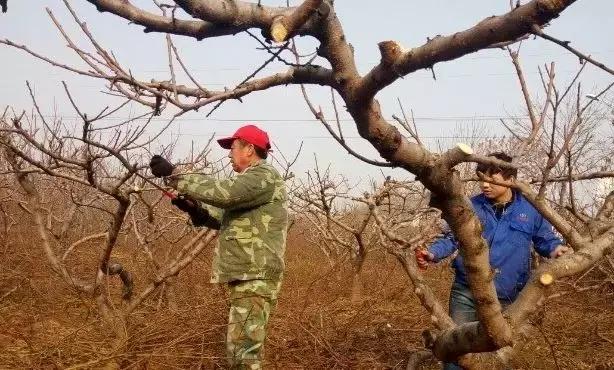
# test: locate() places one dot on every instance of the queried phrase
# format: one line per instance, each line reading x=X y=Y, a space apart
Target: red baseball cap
x=249 y=133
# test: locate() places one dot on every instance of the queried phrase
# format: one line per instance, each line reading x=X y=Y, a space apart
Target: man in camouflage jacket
x=250 y=210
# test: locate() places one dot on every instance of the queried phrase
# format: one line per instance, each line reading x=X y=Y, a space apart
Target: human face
x=241 y=155
x=497 y=193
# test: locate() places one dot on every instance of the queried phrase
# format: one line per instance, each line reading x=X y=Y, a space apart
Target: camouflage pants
x=251 y=304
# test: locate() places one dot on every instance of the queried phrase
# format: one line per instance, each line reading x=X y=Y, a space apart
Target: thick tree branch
x=492 y=30
x=607 y=209
x=156 y=23
x=339 y=53
x=530 y=298
x=448 y=195
x=244 y=15
x=284 y=27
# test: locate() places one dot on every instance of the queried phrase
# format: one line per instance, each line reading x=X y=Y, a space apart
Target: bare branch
x=155 y=23
x=492 y=30
x=283 y=27
x=536 y=30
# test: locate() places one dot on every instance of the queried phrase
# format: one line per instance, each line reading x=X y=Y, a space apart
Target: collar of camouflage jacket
x=256 y=163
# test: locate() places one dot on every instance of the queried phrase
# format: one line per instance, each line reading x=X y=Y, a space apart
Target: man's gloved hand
x=199 y=216
x=160 y=167
x=184 y=203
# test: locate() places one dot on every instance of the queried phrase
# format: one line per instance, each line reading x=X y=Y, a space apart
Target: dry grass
x=46 y=325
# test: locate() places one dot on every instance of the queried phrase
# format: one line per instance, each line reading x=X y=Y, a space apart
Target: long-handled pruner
x=164 y=191
x=172 y=196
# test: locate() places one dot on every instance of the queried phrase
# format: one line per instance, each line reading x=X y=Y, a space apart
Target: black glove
x=184 y=203
x=198 y=215
x=160 y=167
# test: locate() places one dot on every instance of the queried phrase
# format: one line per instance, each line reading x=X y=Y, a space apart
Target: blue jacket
x=510 y=241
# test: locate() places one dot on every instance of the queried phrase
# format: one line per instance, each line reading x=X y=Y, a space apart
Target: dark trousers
x=463 y=310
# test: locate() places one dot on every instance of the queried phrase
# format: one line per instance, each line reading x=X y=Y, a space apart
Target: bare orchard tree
x=564 y=147
x=562 y=150
x=317 y=19
x=343 y=226
x=91 y=188
x=340 y=229
x=318 y=202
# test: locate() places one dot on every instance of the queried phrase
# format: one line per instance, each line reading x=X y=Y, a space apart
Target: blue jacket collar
x=517 y=198
x=517 y=201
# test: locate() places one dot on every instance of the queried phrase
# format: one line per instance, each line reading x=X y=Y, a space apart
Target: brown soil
x=46 y=325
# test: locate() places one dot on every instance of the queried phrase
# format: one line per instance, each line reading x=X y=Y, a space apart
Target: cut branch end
x=546 y=279
x=466 y=149
x=279 y=33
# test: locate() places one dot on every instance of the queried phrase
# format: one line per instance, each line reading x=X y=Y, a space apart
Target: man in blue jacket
x=510 y=226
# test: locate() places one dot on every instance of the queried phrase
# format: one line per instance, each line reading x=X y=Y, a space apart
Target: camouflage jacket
x=251 y=212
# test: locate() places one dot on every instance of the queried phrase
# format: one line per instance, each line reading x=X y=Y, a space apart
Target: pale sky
x=481 y=87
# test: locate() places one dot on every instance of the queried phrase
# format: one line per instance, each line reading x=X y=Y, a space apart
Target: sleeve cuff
x=177 y=182
x=436 y=253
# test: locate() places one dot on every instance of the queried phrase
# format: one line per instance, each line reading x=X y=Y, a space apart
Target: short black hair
x=492 y=169
x=261 y=153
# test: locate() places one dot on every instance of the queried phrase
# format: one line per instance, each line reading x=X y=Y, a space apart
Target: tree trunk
x=357 y=284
